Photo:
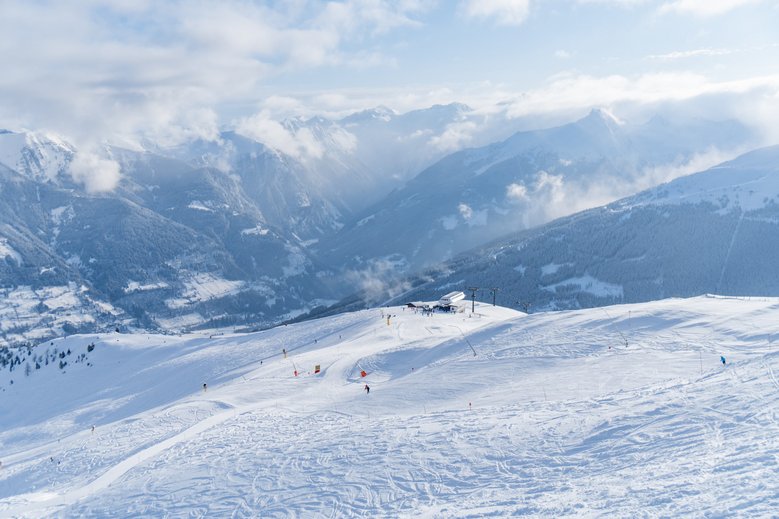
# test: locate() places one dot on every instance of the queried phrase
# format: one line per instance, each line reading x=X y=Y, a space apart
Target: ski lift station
x=445 y=304
x=451 y=298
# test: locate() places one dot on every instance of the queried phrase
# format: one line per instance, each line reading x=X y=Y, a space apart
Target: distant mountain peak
x=35 y=155
x=381 y=113
x=454 y=107
x=602 y=115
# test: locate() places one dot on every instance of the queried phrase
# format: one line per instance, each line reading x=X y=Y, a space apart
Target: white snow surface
x=199 y=206
x=748 y=183
x=21 y=319
x=34 y=155
x=554 y=415
x=204 y=287
x=136 y=286
x=256 y=231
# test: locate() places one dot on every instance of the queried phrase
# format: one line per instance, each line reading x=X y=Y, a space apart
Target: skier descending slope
x=722 y=359
x=367 y=389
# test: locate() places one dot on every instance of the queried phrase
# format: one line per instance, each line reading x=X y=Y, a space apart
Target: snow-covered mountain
x=293 y=196
x=476 y=195
x=205 y=232
x=236 y=231
x=712 y=232
x=349 y=162
x=36 y=156
x=172 y=247
x=494 y=413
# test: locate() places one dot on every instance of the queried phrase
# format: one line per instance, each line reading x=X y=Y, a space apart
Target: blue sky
x=178 y=69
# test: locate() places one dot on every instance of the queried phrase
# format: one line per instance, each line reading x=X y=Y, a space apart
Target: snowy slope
x=34 y=155
x=749 y=183
x=624 y=411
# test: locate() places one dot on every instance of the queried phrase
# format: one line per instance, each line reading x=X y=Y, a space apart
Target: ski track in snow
x=730 y=249
x=564 y=420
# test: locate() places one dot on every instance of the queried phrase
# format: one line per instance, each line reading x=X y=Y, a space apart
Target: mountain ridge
x=698 y=234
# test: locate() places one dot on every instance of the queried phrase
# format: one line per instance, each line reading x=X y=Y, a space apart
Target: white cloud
x=96 y=174
x=551 y=196
x=300 y=144
x=620 y=3
x=577 y=92
x=308 y=144
x=690 y=54
x=380 y=278
x=763 y=111
x=516 y=192
x=465 y=211
x=656 y=175
x=704 y=7
x=377 y=15
x=546 y=180
x=175 y=70
x=455 y=136
x=504 y=12
x=561 y=98
x=344 y=140
x=168 y=66
x=449 y=222
x=280 y=107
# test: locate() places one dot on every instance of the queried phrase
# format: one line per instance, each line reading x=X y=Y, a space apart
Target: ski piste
x=553 y=416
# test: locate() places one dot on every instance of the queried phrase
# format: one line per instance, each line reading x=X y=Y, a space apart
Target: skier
x=205 y=386
x=367 y=389
x=722 y=359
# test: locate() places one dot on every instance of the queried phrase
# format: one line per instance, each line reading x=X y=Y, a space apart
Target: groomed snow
x=618 y=412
